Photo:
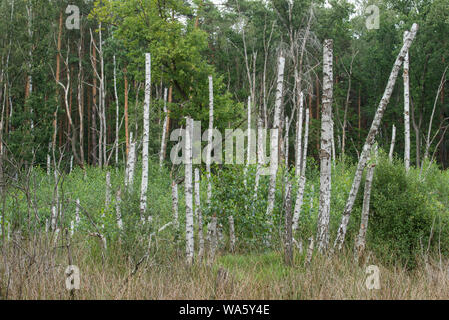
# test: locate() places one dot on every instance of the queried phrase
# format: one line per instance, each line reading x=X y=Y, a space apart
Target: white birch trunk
x=406 y=109
x=302 y=179
x=299 y=136
x=326 y=149
x=310 y=251
x=248 y=156
x=361 y=238
x=209 y=139
x=116 y=112
x=188 y=191
x=371 y=136
x=146 y=137
x=131 y=165
x=164 y=132
x=118 y=210
x=261 y=141
x=199 y=215
x=393 y=140
x=275 y=139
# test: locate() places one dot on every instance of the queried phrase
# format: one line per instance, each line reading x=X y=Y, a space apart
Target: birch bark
x=302 y=179
x=209 y=138
x=146 y=137
x=274 y=143
x=406 y=76
x=326 y=149
x=393 y=140
x=188 y=192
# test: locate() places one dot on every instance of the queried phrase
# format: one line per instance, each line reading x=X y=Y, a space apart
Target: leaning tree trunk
x=371 y=136
x=274 y=143
x=326 y=149
x=361 y=238
x=146 y=137
x=406 y=109
x=188 y=191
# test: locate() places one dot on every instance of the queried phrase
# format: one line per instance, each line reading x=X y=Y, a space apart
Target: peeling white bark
x=326 y=149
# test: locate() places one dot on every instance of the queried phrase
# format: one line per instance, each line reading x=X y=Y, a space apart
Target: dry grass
x=35 y=270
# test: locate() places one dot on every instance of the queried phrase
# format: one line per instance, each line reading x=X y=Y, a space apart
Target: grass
x=35 y=270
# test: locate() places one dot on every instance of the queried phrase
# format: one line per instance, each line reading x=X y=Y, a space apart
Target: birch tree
x=146 y=137
x=188 y=191
x=274 y=143
x=116 y=111
x=393 y=140
x=209 y=138
x=302 y=179
x=406 y=109
x=371 y=136
x=326 y=146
